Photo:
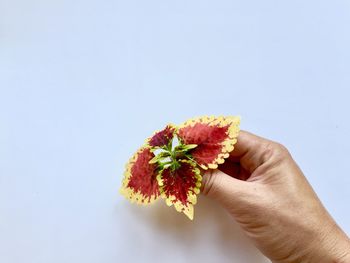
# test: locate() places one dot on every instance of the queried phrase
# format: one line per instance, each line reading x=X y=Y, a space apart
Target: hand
x=275 y=205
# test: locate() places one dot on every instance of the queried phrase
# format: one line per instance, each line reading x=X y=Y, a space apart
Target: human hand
x=275 y=205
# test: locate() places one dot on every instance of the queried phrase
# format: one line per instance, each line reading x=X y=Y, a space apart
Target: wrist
x=326 y=243
x=345 y=258
x=341 y=253
x=330 y=245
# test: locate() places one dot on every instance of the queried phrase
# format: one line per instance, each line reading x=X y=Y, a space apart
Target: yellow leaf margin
x=228 y=144
x=192 y=193
x=127 y=192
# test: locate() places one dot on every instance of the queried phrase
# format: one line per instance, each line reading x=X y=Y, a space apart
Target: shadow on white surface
x=213 y=236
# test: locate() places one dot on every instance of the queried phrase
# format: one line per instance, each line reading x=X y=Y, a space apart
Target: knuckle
x=279 y=147
x=280 y=152
x=275 y=150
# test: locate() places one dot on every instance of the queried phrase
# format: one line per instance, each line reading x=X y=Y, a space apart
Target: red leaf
x=215 y=138
x=163 y=137
x=179 y=187
x=140 y=183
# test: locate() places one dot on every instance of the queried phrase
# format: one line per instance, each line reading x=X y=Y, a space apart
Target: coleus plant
x=171 y=162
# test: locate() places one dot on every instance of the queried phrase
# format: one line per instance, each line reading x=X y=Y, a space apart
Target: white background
x=83 y=83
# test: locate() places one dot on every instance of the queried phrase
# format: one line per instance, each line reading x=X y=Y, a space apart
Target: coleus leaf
x=213 y=136
x=140 y=184
x=180 y=186
x=163 y=137
x=161 y=168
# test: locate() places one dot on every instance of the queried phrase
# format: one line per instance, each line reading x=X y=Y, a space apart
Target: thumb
x=225 y=189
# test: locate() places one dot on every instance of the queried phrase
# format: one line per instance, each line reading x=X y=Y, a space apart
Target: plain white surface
x=83 y=83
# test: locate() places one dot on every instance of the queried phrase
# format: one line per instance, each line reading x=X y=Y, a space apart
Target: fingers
x=250 y=150
x=234 y=169
x=224 y=188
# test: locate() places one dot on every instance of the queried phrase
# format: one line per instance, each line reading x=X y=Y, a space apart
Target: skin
x=275 y=205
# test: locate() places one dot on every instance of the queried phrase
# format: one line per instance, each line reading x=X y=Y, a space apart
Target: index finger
x=249 y=150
